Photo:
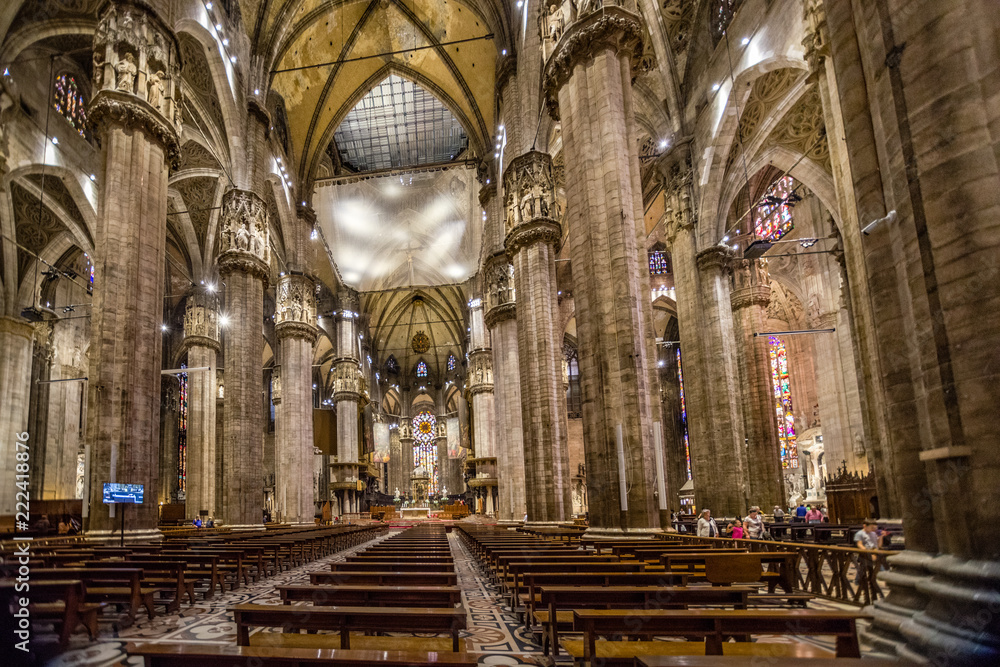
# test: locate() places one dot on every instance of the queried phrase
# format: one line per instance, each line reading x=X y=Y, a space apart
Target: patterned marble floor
x=493 y=631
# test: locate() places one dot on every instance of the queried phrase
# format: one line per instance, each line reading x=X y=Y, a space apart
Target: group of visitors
x=751 y=527
x=207 y=523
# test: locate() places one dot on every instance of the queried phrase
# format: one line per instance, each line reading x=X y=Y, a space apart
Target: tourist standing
x=735 y=529
x=813 y=515
x=779 y=514
x=754 y=524
x=868 y=538
x=800 y=512
x=706 y=525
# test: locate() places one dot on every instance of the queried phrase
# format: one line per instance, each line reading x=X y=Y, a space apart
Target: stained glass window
x=783 y=403
x=424 y=449
x=421 y=369
x=774 y=216
x=392 y=365
x=722 y=16
x=68 y=101
x=182 y=415
x=451 y=362
x=658 y=263
x=684 y=416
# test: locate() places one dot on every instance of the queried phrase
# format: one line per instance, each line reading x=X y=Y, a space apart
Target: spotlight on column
x=223 y=320
x=757 y=249
x=163 y=327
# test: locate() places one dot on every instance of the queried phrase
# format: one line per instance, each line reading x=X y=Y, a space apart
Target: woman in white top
x=706 y=525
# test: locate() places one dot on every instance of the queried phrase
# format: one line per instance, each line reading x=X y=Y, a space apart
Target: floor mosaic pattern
x=493 y=630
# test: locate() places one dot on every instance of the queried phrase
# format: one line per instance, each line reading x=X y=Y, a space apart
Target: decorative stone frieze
x=529 y=193
x=295 y=309
x=720 y=257
x=245 y=236
x=480 y=377
x=348 y=382
x=136 y=71
x=541 y=230
x=276 y=385
x=499 y=296
x=201 y=321
x=613 y=26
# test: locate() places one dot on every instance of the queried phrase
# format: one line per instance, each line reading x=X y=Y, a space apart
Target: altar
x=414 y=512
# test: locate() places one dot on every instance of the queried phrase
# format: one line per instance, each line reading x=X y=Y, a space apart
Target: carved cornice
x=15 y=326
x=539 y=230
x=307 y=214
x=498 y=314
x=611 y=28
x=234 y=261
x=293 y=329
x=200 y=341
x=477 y=389
x=759 y=295
x=351 y=396
x=717 y=257
x=486 y=193
x=111 y=108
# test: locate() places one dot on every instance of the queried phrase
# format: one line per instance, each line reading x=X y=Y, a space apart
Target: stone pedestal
x=243 y=266
x=201 y=330
x=530 y=244
x=588 y=83
x=295 y=317
x=749 y=298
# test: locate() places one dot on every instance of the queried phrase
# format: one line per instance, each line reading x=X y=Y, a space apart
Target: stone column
x=137 y=119
x=531 y=244
x=749 y=298
x=294 y=326
x=15 y=377
x=588 y=84
x=201 y=339
x=243 y=265
x=63 y=412
x=480 y=392
x=500 y=319
x=347 y=389
x=406 y=456
x=704 y=316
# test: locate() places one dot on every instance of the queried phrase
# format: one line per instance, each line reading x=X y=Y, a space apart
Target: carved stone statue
x=155 y=88
x=98 y=71
x=557 y=22
x=126 y=70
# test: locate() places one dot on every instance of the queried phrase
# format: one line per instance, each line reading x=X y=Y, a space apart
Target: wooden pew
x=712 y=624
x=395 y=566
x=389 y=578
x=517 y=571
x=345 y=620
x=559 y=602
x=164 y=576
x=115 y=585
x=756 y=661
x=533 y=581
x=375 y=596
x=731 y=568
x=188 y=655
x=61 y=602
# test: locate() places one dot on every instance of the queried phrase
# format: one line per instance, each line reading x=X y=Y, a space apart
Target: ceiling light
x=725 y=238
x=715 y=87
x=746 y=40
x=232 y=59
x=93 y=177
x=55 y=141
x=210 y=287
x=256 y=91
x=223 y=320
x=504 y=52
x=496 y=155
x=303 y=203
x=520 y=3
x=663 y=144
x=225 y=41
x=218 y=26
x=163 y=327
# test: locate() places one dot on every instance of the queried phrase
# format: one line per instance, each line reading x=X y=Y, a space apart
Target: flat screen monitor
x=122 y=493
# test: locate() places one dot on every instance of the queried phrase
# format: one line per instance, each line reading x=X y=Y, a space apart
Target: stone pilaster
x=201 y=338
x=169 y=439
x=294 y=326
x=749 y=298
x=588 y=84
x=531 y=244
x=15 y=380
x=243 y=265
x=138 y=121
